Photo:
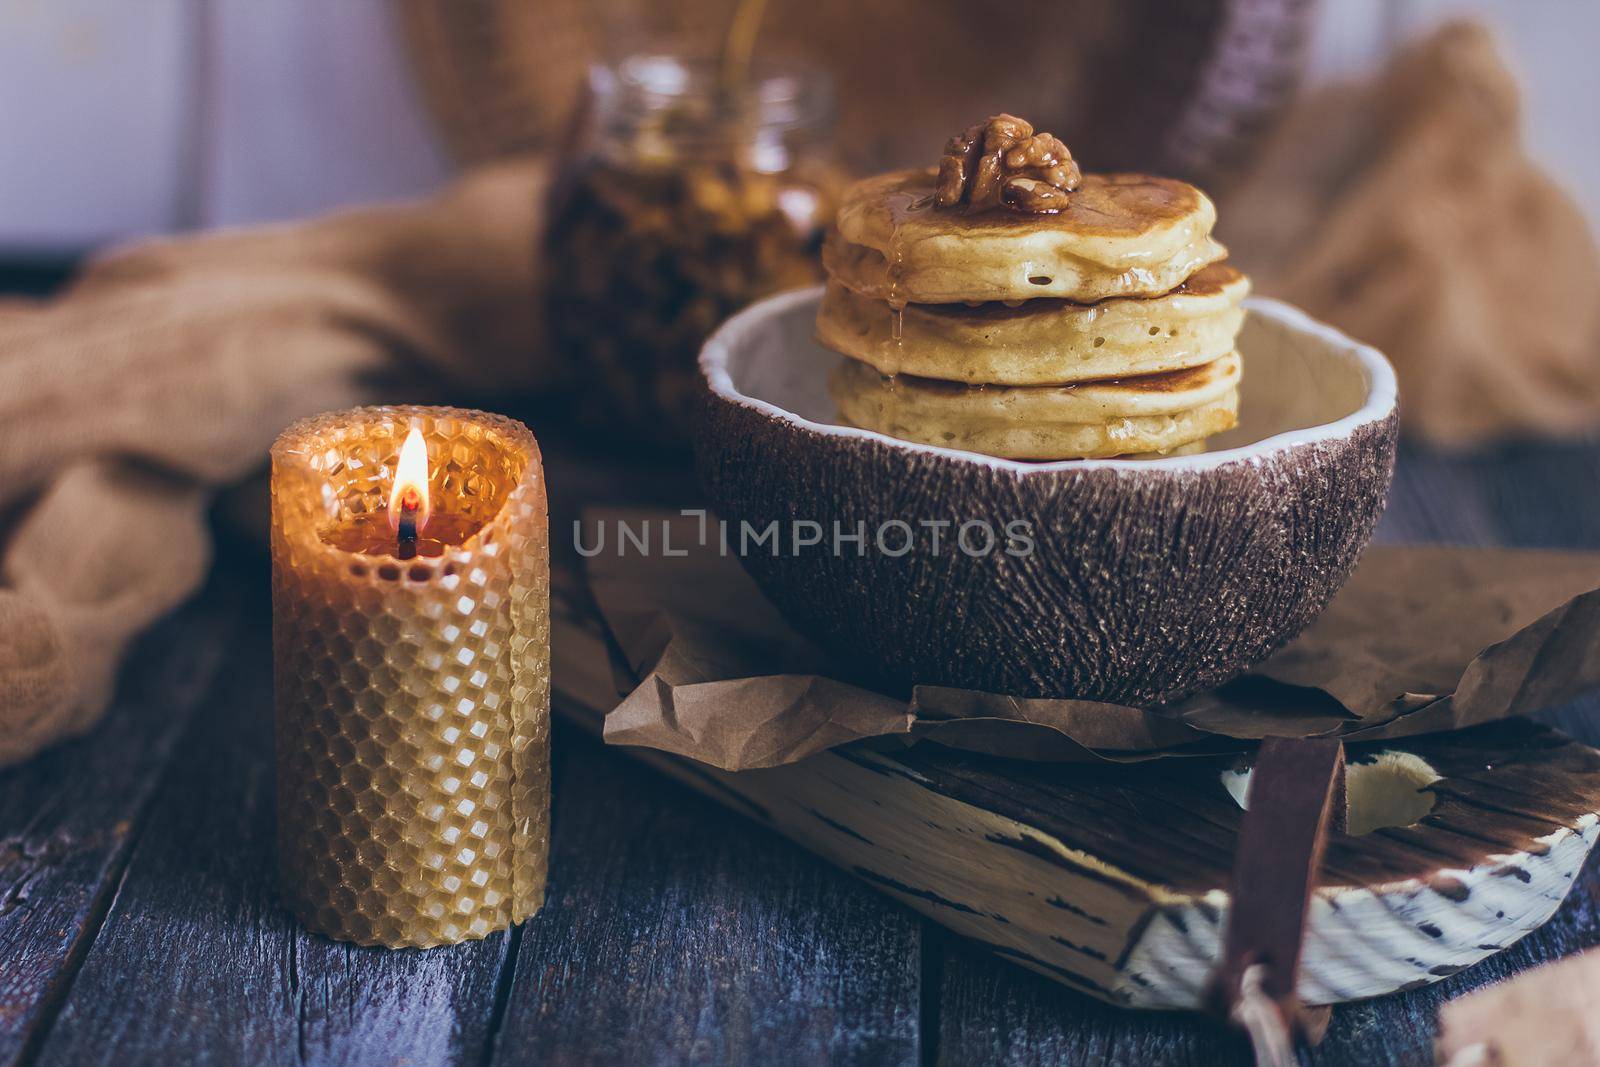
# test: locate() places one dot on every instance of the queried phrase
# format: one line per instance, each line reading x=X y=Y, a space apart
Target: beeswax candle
x=413 y=679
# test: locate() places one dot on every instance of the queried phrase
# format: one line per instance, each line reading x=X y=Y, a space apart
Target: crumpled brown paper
x=1421 y=639
x=166 y=370
x=1406 y=212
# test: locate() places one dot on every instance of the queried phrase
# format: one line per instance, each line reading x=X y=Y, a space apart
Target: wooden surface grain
x=67 y=820
x=139 y=920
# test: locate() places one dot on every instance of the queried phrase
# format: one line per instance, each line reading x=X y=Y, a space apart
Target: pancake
x=1040 y=342
x=1120 y=235
x=1085 y=402
x=1153 y=413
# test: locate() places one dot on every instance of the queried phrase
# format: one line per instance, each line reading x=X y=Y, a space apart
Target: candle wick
x=406 y=536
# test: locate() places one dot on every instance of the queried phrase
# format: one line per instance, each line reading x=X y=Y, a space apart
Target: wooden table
x=139 y=920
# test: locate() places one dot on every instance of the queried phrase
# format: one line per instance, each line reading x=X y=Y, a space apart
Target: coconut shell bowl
x=1130 y=581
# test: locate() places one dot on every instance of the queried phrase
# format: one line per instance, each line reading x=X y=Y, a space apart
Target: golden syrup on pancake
x=1104 y=204
x=902 y=205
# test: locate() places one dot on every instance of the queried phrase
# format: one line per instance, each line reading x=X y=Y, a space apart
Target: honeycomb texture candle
x=413 y=695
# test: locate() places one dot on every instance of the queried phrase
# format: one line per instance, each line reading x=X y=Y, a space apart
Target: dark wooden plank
x=673 y=929
x=197 y=963
x=68 y=816
x=1439 y=499
x=1547 y=496
x=676 y=931
x=992 y=1012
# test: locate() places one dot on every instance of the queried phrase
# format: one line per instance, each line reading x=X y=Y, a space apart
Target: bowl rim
x=1382 y=396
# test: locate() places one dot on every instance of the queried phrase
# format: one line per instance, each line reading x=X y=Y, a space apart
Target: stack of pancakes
x=1103 y=329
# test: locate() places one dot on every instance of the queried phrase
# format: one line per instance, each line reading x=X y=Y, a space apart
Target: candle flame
x=410 y=493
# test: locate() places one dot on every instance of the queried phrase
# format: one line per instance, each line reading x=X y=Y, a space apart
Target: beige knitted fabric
x=1407 y=212
x=168 y=368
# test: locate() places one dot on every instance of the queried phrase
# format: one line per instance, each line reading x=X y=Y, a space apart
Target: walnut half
x=1003 y=161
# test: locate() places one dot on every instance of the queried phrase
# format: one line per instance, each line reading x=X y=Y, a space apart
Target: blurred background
x=121 y=119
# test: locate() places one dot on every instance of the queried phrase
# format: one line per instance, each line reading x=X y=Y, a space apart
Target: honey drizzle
x=897 y=267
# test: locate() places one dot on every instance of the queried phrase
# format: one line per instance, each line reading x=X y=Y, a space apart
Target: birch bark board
x=1112 y=879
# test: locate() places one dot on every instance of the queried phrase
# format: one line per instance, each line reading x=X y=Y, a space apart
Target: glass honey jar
x=681 y=201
